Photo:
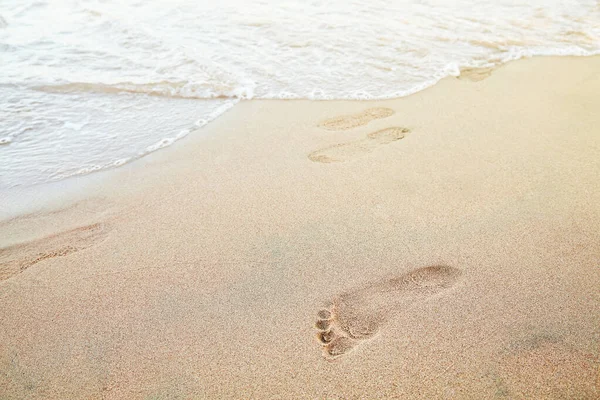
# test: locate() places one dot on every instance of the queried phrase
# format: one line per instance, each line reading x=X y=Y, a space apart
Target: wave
x=173 y=89
x=160 y=144
x=49 y=136
x=194 y=90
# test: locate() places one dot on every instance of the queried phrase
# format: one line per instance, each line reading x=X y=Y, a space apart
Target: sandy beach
x=444 y=245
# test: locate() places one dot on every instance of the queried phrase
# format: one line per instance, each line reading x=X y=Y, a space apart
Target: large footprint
x=352 y=121
x=357 y=315
x=16 y=259
x=348 y=151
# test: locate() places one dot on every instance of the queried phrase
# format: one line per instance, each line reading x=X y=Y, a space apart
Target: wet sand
x=442 y=245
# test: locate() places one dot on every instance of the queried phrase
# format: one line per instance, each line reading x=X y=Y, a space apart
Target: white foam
x=159 y=145
x=182 y=134
x=121 y=161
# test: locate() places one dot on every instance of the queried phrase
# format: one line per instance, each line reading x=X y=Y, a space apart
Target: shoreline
x=200 y=271
x=79 y=183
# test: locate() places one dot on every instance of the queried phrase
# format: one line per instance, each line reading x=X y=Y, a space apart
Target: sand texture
x=445 y=245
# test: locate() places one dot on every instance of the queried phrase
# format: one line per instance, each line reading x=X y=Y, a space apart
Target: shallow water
x=88 y=85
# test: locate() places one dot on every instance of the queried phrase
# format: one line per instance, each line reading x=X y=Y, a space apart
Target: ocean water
x=87 y=85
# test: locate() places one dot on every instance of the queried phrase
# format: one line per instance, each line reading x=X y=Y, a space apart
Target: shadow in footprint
x=359 y=314
x=352 y=121
x=348 y=151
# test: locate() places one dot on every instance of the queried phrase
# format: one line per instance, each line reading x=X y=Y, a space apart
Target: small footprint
x=475 y=74
x=352 y=121
x=348 y=151
x=17 y=258
x=357 y=315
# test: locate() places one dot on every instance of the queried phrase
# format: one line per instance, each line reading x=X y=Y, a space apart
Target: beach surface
x=441 y=245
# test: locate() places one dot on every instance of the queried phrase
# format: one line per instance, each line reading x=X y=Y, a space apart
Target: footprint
x=348 y=151
x=475 y=74
x=17 y=258
x=357 y=315
x=352 y=121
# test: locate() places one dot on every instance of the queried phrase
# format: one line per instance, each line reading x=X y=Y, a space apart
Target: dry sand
x=443 y=245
